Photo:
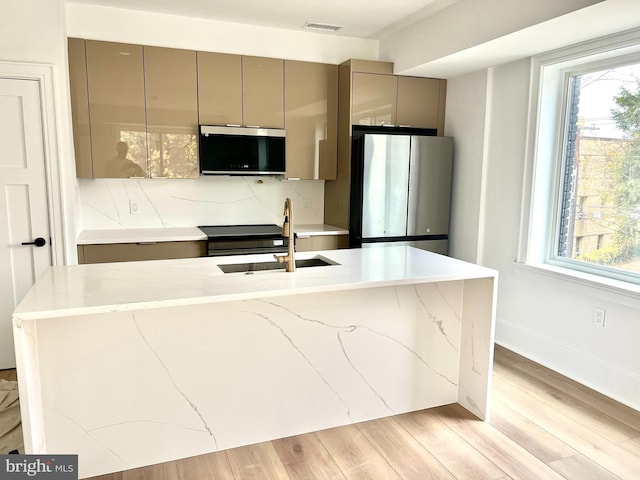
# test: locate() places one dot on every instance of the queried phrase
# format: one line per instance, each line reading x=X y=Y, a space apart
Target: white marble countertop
x=107 y=287
x=313 y=230
x=149 y=235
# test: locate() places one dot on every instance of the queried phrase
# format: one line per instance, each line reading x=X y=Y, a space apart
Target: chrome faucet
x=287 y=231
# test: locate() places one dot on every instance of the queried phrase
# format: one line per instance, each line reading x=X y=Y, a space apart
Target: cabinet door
x=263 y=92
x=311 y=117
x=418 y=102
x=132 y=252
x=116 y=109
x=219 y=89
x=80 y=108
x=321 y=242
x=374 y=99
x=172 y=112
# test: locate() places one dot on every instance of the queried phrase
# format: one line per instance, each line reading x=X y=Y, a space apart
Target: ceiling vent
x=321 y=27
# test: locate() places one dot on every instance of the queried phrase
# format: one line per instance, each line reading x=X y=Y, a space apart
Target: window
x=600 y=197
x=585 y=212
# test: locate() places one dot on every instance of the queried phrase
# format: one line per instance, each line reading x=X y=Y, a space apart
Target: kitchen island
x=132 y=364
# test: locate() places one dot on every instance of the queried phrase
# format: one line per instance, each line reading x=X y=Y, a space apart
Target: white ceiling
x=359 y=18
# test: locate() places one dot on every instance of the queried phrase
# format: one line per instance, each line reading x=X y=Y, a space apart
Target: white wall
x=546 y=317
x=162 y=30
x=33 y=31
x=465 y=122
x=468 y=23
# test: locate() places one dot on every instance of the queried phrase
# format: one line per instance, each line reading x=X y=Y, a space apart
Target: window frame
x=546 y=151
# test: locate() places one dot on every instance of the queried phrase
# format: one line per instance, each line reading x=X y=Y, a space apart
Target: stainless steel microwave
x=241 y=150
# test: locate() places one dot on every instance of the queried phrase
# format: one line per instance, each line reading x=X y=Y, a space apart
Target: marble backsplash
x=216 y=200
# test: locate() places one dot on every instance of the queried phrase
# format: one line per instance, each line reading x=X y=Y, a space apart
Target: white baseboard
x=601 y=376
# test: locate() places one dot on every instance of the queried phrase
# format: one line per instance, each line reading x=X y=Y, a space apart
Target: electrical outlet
x=306 y=204
x=134 y=207
x=599 y=314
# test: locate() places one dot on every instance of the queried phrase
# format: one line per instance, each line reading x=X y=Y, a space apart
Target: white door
x=24 y=213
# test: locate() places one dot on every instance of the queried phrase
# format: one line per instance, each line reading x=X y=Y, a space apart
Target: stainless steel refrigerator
x=400 y=188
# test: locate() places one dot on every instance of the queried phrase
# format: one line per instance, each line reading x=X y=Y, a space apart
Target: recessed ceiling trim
x=321 y=26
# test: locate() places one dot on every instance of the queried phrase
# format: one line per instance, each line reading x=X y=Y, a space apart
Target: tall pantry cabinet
x=369 y=94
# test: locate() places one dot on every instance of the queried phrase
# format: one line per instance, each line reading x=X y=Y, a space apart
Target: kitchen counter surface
x=149 y=235
x=228 y=360
x=109 y=287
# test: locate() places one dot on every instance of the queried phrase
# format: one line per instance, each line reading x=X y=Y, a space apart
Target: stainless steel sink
x=261 y=266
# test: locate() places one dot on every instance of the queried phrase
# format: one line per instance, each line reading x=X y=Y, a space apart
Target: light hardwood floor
x=543 y=426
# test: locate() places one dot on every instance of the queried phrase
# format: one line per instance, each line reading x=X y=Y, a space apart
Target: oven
x=244 y=239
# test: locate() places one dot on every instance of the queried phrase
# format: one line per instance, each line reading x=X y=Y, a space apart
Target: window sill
x=608 y=285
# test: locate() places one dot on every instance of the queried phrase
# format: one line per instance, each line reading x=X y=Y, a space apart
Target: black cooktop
x=241 y=230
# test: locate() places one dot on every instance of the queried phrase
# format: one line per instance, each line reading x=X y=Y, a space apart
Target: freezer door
x=429 y=185
x=385 y=185
x=435 y=246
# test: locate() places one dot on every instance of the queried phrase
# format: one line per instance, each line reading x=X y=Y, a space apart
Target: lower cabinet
x=321 y=242
x=131 y=252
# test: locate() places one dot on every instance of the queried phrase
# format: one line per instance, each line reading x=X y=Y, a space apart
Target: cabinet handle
x=253 y=126
x=232 y=125
x=386 y=125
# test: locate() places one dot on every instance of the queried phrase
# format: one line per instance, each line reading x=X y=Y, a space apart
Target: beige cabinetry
x=321 y=242
x=171 y=99
x=379 y=99
x=311 y=117
x=240 y=90
x=115 y=80
x=374 y=98
x=130 y=252
x=80 y=107
x=135 y=110
x=421 y=102
x=219 y=88
x=263 y=92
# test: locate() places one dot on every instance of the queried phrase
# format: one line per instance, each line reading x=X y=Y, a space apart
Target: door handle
x=38 y=242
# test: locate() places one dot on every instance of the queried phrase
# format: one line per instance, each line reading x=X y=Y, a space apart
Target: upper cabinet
x=374 y=99
x=421 y=102
x=263 y=92
x=115 y=79
x=219 y=88
x=171 y=98
x=311 y=101
x=379 y=99
x=240 y=90
x=135 y=110
x=80 y=108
